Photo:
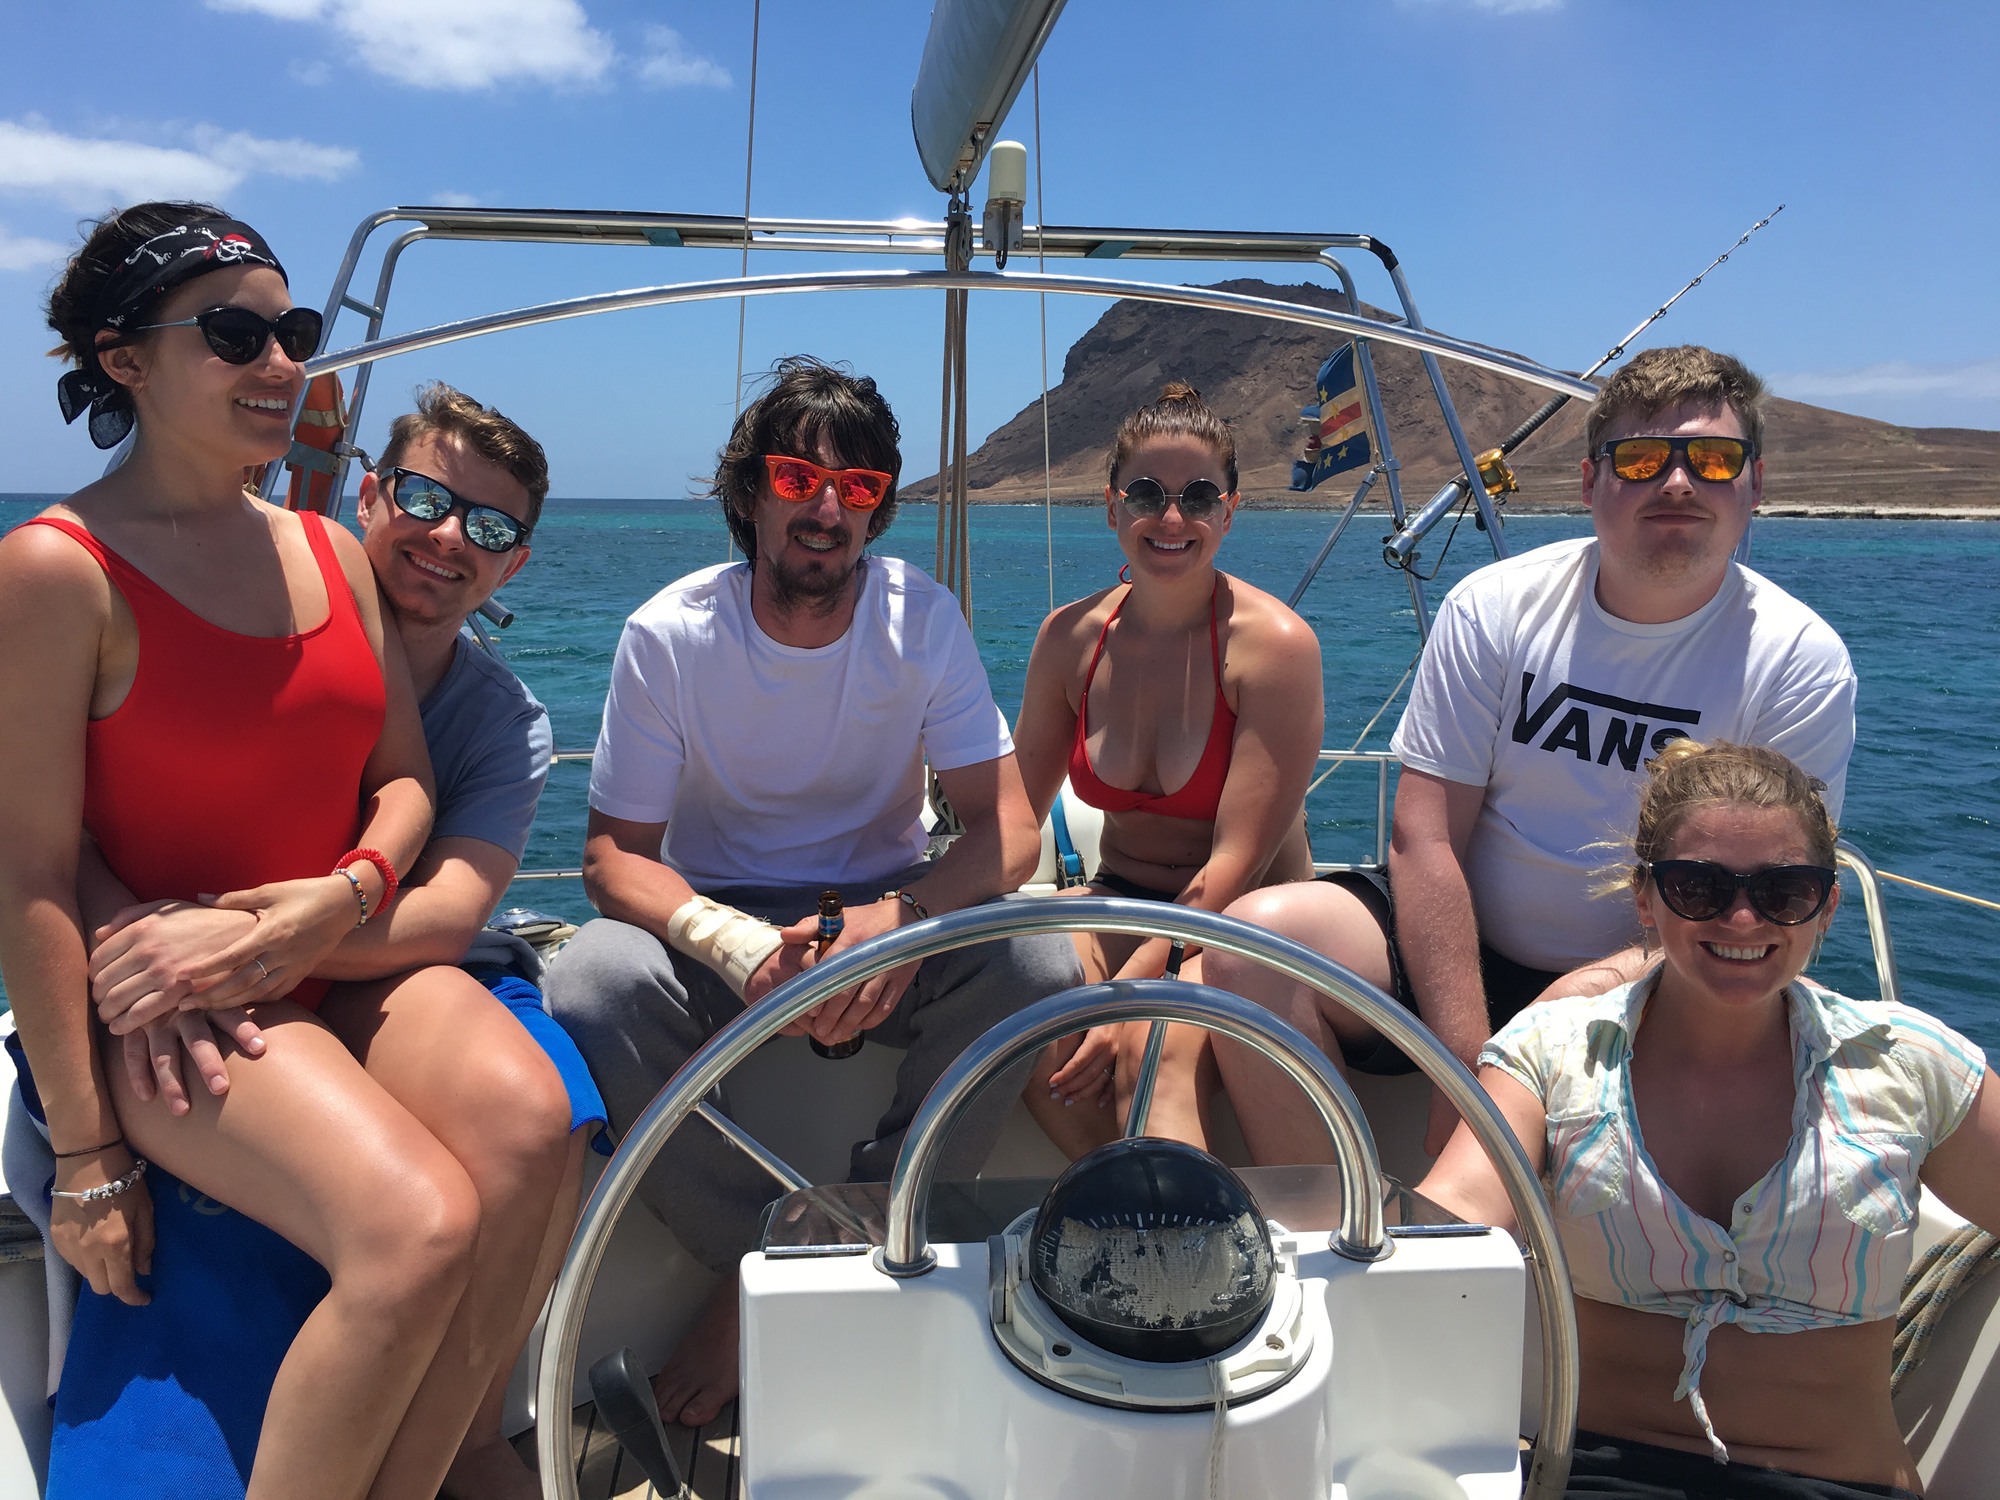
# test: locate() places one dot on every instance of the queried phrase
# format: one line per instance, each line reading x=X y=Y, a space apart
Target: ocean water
x=1918 y=604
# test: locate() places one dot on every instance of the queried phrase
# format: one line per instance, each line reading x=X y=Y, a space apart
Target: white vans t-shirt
x=1529 y=689
x=780 y=765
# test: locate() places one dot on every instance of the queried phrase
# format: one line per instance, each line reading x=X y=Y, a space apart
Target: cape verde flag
x=1337 y=435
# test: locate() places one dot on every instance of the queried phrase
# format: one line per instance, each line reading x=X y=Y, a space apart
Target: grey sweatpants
x=638 y=1011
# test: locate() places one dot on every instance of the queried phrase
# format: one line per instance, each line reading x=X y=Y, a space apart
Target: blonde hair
x=1179 y=412
x=1687 y=776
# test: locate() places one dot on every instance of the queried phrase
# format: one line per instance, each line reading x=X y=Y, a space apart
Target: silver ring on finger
x=262 y=972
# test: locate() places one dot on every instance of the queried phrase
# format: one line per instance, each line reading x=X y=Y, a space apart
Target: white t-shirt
x=783 y=765
x=1530 y=689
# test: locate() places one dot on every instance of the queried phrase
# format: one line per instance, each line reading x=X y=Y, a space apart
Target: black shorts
x=1509 y=986
x=1608 y=1468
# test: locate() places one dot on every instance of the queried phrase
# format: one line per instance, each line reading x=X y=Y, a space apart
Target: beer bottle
x=830 y=924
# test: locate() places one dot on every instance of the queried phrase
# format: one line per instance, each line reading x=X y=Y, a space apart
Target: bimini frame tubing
x=911 y=237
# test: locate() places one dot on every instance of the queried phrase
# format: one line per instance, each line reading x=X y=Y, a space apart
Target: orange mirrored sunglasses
x=799 y=479
x=1715 y=459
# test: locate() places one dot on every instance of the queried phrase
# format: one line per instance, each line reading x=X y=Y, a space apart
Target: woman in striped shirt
x=1733 y=1152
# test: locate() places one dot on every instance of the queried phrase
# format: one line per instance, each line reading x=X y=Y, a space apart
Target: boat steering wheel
x=905 y=1253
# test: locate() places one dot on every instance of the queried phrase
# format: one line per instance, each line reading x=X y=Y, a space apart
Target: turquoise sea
x=1917 y=602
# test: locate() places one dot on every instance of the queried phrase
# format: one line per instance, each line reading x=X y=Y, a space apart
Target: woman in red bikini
x=1185 y=705
x=197 y=694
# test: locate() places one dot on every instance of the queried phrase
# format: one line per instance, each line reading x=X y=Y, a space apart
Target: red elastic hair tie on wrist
x=381 y=863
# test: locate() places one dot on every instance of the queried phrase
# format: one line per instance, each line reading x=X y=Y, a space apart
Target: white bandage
x=731 y=942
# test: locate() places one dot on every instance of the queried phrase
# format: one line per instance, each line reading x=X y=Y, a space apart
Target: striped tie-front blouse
x=1821 y=1239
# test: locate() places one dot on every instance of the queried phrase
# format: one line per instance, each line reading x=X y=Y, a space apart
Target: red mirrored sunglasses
x=799 y=479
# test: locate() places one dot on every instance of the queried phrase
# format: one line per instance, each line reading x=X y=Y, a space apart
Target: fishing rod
x=1400 y=550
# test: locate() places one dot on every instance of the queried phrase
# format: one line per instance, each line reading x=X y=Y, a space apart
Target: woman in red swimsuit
x=197 y=695
x=1187 y=707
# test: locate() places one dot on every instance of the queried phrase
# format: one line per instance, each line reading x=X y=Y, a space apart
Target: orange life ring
x=311 y=464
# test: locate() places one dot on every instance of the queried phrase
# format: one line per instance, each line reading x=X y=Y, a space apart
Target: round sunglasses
x=1714 y=459
x=423 y=498
x=1699 y=890
x=797 y=480
x=1148 y=497
x=236 y=335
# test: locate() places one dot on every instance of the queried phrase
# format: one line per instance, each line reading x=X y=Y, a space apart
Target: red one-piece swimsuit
x=235 y=760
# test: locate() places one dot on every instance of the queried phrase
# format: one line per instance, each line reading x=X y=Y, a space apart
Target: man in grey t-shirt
x=445 y=520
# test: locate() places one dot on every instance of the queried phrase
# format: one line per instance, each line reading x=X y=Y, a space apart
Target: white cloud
x=254 y=157
x=1895 y=379
x=669 y=65
x=88 y=175
x=449 y=199
x=456 y=44
x=84 y=174
x=24 y=253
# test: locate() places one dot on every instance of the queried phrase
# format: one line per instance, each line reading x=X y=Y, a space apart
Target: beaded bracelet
x=908 y=900
x=106 y=1189
x=387 y=871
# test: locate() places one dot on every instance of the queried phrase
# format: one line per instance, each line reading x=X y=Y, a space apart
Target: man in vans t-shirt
x=1548 y=681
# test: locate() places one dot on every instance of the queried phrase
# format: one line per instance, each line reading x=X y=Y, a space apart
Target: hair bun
x=1178 y=390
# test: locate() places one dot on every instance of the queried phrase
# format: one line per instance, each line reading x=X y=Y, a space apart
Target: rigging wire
x=1042 y=266
x=749 y=161
x=1369 y=727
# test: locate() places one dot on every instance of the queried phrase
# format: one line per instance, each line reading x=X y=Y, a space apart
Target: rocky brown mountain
x=1258 y=374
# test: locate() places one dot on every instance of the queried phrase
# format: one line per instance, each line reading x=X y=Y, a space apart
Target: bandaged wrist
x=731 y=942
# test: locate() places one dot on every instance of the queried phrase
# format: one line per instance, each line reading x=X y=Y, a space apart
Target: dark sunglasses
x=799 y=479
x=1699 y=890
x=422 y=498
x=1715 y=459
x=1148 y=497
x=237 y=335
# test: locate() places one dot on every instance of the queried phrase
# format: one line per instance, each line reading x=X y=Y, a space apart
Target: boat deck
x=604 y=1471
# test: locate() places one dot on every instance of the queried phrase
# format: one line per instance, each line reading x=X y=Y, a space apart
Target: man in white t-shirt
x=1548 y=681
x=764 y=740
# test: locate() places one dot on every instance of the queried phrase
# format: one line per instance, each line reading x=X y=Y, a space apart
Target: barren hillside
x=1258 y=375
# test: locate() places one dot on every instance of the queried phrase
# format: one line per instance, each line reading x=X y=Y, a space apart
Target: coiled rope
x=1939 y=1278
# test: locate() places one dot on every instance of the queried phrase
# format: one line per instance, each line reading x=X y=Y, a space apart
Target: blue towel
x=168 y=1399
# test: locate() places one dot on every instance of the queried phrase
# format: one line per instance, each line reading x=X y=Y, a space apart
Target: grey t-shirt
x=490 y=747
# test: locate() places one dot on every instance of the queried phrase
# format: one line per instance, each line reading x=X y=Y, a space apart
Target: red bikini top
x=1201 y=795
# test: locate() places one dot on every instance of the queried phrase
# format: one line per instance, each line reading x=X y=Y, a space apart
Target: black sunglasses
x=422 y=498
x=1699 y=890
x=237 y=335
x=1148 y=497
x=1715 y=459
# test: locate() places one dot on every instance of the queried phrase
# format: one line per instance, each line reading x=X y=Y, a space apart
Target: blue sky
x=1548 y=170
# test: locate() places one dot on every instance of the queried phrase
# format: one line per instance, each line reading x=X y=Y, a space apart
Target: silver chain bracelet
x=107 y=1189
